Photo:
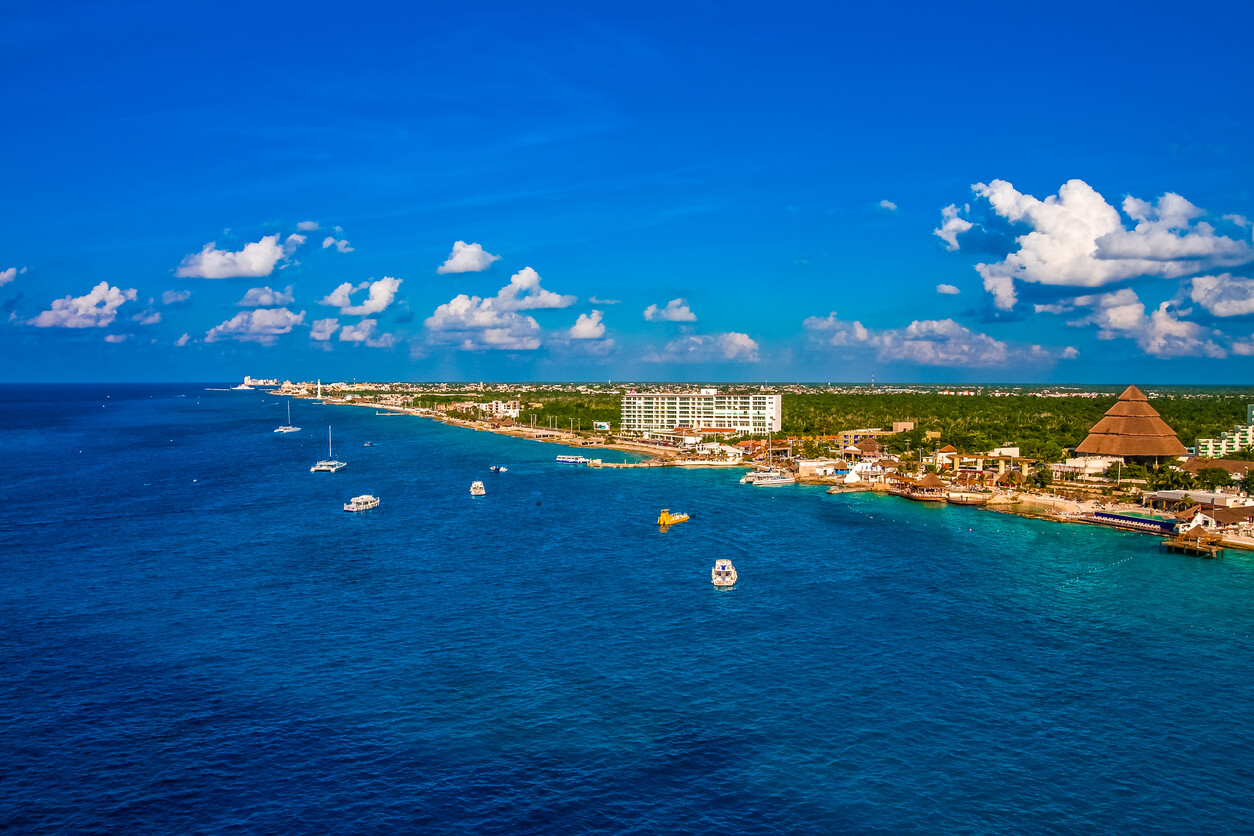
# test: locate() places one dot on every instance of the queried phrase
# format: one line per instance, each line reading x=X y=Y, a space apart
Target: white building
x=707 y=409
x=1231 y=442
x=500 y=409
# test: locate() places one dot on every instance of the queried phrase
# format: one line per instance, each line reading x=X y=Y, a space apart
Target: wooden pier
x=1193 y=542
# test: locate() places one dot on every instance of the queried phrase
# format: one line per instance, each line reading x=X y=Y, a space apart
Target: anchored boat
x=477 y=489
x=667 y=518
x=362 y=503
x=723 y=574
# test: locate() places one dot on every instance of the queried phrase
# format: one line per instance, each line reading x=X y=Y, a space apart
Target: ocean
x=197 y=639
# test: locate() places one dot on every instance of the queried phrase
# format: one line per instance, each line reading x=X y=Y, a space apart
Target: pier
x=1194 y=543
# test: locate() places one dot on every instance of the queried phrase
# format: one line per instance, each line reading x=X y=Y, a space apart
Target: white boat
x=329 y=464
x=767 y=478
x=362 y=503
x=723 y=573
x=287 y=428
x=499 y=468
x=242 y=388
x=477 y=489
x=572 y=460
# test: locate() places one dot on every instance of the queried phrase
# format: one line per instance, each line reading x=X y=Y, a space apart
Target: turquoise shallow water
x=197 y=639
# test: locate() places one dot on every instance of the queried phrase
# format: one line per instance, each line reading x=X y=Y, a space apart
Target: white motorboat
x=723 y=574
x=288 y=428
x=766 y=478
x=572 y=460
x=330 y=464
x=499 y=468
x=477 y=489
x=362 y=503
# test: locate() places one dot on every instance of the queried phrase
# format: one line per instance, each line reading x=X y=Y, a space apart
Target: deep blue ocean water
x=196 y=639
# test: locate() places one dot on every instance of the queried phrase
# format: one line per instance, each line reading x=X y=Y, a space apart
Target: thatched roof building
x=1132 y=429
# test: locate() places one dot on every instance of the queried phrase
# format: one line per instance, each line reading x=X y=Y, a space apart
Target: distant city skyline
x=669 y=193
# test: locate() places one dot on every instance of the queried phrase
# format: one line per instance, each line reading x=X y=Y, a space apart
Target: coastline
x=1018 y=502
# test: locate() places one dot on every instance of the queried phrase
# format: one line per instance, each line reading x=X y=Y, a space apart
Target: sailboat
x=329 y=464
x=288 y=428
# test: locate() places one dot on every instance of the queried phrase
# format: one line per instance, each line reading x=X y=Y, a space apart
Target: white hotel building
x=664 y=411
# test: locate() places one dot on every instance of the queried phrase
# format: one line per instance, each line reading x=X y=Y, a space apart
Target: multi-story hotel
x=704 y=410
x=1233 y=442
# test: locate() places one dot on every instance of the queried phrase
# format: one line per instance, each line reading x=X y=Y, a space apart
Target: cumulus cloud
x=952 y=226
x=494 y=322
x=889 y=205
x=264 y=297
x=524 y=293
x=175 y=297
x=308 y=226
x=706 y=348
x=183 y=340
x=341 y=245
x=366 y=332
x=467 y=258
x=96 y=309
x=1070 y=353
x=9 y=275
x=323 y=329
x=1239 y=220
x=1223 y=295
x=937 y=342
x=263 y=325
x=1079 y=240
x=255 y=260
x=147 y=317
x=587 y=327
x=378 y=297
x=115 y=338
x=947 y=290
x=676 y=310
x=594 y=300
x=292 y=243
x=1161 y=333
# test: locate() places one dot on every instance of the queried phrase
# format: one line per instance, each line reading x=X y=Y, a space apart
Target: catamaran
x=288 y=428
x=329 y=464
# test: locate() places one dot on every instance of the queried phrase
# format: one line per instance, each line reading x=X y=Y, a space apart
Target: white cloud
x=523 y=293
x=95 y=310
x=707 y=348
x=889 y=205
x=1239 y=220
x=587 y=327
x=323 y=329
x=147 y=317
x=256 y=259
x=308 y=226
x=1116 y=314
x=1079 y=240
x=264 y=297
x=1224 y=295
x=292 y=243
x=1121 y=314
x=1168 y=336
x=175 y=297
x=365 y=332
x=379 y=297
x=467 y=258
x=9 y=275
x=942 y=342
x=947 y=290
x=1070 y=353
x=676 y=310
x=594 y=300
x=263 y=325
x=341 y=245
x=952 y=226
x=116 y=338
x=183 y=340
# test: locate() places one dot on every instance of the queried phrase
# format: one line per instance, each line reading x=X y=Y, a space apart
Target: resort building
x=1232 y=442
x=707 y=409
x=1133 y=431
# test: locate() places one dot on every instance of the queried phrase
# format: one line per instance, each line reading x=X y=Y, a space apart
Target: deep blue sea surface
x=196 y=639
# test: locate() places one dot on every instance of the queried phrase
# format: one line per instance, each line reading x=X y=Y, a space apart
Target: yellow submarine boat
x=667 y=518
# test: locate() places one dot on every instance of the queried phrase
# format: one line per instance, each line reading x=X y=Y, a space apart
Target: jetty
x=1195 y=542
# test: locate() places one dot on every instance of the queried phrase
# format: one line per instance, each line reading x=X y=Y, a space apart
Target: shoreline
x=1019 y=503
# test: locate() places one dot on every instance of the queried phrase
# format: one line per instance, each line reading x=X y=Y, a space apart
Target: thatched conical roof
x=931 y=480
x=1131 y=428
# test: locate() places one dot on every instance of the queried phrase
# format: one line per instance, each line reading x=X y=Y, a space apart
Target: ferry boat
x=572 y=460
x=286 y=428
x=499 y=468
x=768 y=478
x=330 y=464
x=723 y=574
x=477 y=489
x=667 y=518
x=362 y=503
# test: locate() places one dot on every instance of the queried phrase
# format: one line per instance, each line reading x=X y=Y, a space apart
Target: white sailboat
x=330 y=464
x=288 y=428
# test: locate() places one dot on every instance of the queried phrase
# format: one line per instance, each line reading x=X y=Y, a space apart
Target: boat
x=329 y=464
x=477 y=489
x=723 y=574
x=286 y=428
x=769 y=478
x=667 y=518
x=362 y=503
x=499 y=468
x=572 y=460
x=368 y=444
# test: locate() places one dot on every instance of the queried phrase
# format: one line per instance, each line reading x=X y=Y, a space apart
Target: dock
x=1194 y=543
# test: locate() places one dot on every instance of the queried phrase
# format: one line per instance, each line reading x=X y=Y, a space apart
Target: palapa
x=1132 y=428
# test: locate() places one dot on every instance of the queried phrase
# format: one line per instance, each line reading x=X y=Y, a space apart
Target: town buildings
x=1230 y=442
x=753 y=413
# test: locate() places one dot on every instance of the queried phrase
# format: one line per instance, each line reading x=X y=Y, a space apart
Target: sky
x=627 y=191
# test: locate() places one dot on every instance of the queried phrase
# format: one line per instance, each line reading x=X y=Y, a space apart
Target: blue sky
x=634 y=191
